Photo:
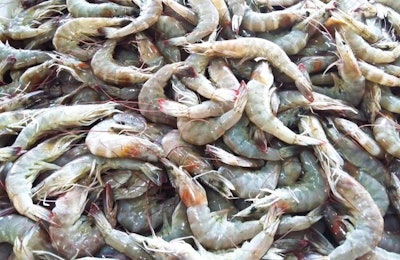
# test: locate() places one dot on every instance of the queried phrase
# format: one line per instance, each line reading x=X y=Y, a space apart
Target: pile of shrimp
x=219 y=129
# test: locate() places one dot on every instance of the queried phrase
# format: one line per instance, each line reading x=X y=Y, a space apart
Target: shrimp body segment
x=251 y=48
x=387 y=135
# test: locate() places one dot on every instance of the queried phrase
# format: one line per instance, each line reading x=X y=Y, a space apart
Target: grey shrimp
x=16 y=227
x=189 y=158
x=208 y=19
x=388 y=100
x=226 y=157
x=303 y=196
x=248 y=183
x=61 y=117
x=239 y=140
x=290 y=223
x=351 y=85
x=82 y=8
x=23 y=58
x=206 y=131
x=153 y=90
x=72 y=233
x=106 y=68
x=249 y=48
x=365 y=215
x=348 y=148
x=364 y=139
x=26 y=168
x=71 y=34
x=386 y=134
x=150 y=11
x=258 y=109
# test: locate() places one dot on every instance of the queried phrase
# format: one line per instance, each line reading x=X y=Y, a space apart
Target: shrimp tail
x=172 y=108
x=100 y=219
x=38 y=212
x=304 y=85
x=108 y=32
x=153 y=173
x=219 y=183
x=10 y=152
x=186 y=71
x=289 y=151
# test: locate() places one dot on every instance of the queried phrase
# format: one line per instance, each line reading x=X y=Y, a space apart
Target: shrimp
x=23 y=58
x=141 y=214
x=248 y=184
x=348 y=148
x=388 y=100
x=82 y=8
x=364 y=139
x=291 y=171
x=153 y=89
x=371 y=100
x=150 y=11
x=305 y=195
x=208 y=19
x=119 y=240
x=365 y=216
x=16 y=227
x=209 y=130
x=250 y=48
x=105 y=68
x=208 y=108
x=226 y=157
x=386 y=134
x=149 y=52
x=237 y=9
x=221 y=74
x=351 y=85
x=179 y=226
x=189 y=158
x=298 y=37
x=101 y=141
x=21 y=100
x=264 y=22
x=374 y=74
x=239 y=140
x=73 y=234
x=26 y=168
x=365 y=51
x=70 y=35
x=290 y=223
x=62 y=117
x=258 y=110
x=224 y=233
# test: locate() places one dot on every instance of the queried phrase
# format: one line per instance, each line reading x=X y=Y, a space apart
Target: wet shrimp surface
x=220 y=129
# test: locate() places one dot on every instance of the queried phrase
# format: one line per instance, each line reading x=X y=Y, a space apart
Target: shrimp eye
x=343 y=42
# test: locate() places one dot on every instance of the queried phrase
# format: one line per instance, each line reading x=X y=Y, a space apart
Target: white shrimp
x=24 y=171
x=364 y=214
x=202 y=132
x=258 y=109
x=102 y=141
x=387 y=135
x=250 y=48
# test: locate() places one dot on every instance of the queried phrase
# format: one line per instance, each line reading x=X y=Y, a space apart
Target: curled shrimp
x=105 y=67
x=365 y=216
x=225 y=234
x=71 y=34
x=208 y=19
x=250 y=48
x=150 y=11
x=388 y=100
x=202 y=132
x=386 y=134
x=259 y=111
x=239 y=140
x=303 y=196
x=26 y=168
x=82 y=8
x=153 y=90
x=102 y=141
